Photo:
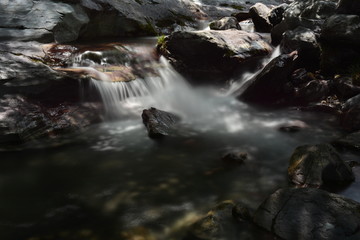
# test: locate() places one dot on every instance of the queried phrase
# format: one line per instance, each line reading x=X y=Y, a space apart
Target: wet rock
x=348 y=7
x=292 y=126
x=242 y=212
x=313 y=91
x=350 y=118
x=213 y=52
x=318 y=166
x=301 y=76
x=241 y=16
x=344 y=88
x=268 y=87
x=276 y=14
x=340 y=41
x=260 y=16
x=304 y=41
x=309 y=14
x=24 y=120
x=159 y=123
x=234 y=157
x=309 y=214
x=66 y=21
x=225 y=23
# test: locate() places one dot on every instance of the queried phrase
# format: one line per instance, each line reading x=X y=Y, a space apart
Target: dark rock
x=241 y=16
x=242 y=213
x=344 y=88
x=268 y=86
x=340 y=42
x=348 y=7
x=292 y=126
x=276 y=14
x=309 y=214
x=225 y=24
x=24 y=120
x=301 y=76
x=234 y=157
x=213 y=52
x=304 y=41
x=350 y=118
x=309 y=14
x=313 y=91
x=260 y=16
x=318 y=166
x=159 y=123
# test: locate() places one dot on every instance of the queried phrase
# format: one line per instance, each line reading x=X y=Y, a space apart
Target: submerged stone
x=225 y=24
x=318 y=166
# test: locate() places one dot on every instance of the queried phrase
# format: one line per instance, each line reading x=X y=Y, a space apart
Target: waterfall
x=236 y=85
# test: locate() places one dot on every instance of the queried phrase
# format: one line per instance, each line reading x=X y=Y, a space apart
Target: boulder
x=340 y=42
x=241 y=16
x=309 y=214
x=350 y=141
x=225 y=23
x=350 y=118
x=66 y=21
x=318 y=166
x=306 y=13
x=260 y=16
x=348 y=7
x=213 y=52
x=276 y=14
x=24 y=120
x=269 y=86
x=345 y=88
x=159 y=123
x=304 y=41
x=313 y=91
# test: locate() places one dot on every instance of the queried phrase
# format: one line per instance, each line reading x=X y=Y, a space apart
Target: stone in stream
x=304 y=41
x=276 y=14
x=234 y=157
x=260 y=16
x=309 y=214
x=345 y=88
x=225 y=24
x=159 y=123
x=318 y=166
x=340 y=43
x=213 y=53
x=350 y=118
x=350 y=141
x=269 y=86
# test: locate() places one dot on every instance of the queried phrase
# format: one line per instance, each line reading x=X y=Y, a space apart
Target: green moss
x=161 y=40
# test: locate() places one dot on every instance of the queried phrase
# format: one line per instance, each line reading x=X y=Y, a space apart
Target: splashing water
x=247 y=76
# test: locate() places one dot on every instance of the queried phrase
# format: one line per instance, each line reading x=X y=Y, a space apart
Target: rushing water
x=112 y=181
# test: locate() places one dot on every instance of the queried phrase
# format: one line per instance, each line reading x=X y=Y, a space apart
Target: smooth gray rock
x=309 y=214
x=260 y=16
x=225 y=24
x=213 y=52
x=318 y=166
x=159 y=123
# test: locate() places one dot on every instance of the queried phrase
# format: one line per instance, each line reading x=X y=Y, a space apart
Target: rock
x=226 y=221
x=241 y=16
x=313 y=91
x=304 y=41
x=348 y=7
x=293 y=126
x=236 y=157
x=350 y=141
x=268 y=87
x=213 y=52
x=318 y=166
x=159 y=123
x=340 y=42
x=276 y=14
x=309 y=214
x=309 y=14
x=301 y=76
x=225 y=23
x=67 y=21
x=24 y=120
x=350 y=118
x=344 y=88
x=260 y=16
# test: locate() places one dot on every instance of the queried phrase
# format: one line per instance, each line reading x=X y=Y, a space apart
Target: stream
x=111 y=180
